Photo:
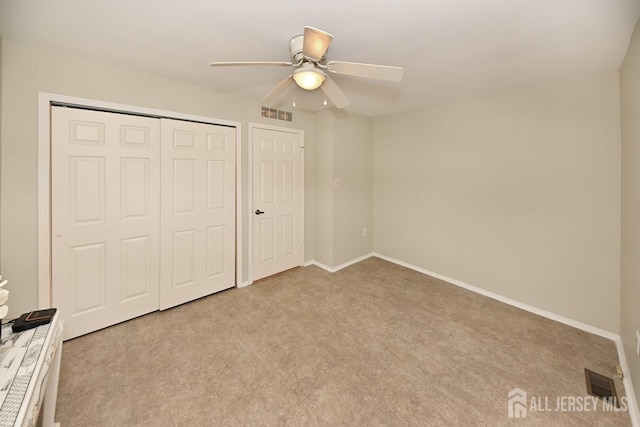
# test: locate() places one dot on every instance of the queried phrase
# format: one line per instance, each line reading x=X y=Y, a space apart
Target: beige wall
x=343 y=151
x=352 y=201
x=323 y=203
x=518 y=194
x=630 y=274
x=25 y=72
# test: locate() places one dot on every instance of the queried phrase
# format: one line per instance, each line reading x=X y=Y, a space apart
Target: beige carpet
x=374 y=344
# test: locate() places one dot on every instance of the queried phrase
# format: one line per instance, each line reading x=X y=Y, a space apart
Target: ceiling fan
x=311 y=70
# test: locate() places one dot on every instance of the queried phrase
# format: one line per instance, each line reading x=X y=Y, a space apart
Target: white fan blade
x=333 y=92
x=316 y=42
x=277 y=91
x=380 y=72
x=254 y=63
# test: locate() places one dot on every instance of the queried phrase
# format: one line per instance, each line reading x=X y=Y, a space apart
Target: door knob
x=259 y=212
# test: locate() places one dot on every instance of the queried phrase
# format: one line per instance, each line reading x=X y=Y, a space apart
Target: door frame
x=45 y=101
x=299 y=132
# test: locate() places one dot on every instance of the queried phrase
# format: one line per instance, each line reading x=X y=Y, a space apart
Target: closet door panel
x=105 y=217
x=198 y=211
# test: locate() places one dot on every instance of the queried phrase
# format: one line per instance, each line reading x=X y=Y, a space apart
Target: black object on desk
x=33 y=319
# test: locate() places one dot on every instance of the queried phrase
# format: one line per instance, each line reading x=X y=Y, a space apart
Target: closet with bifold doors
x=142 y=214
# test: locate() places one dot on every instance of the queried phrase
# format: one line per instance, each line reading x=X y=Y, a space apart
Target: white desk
x=29 y=370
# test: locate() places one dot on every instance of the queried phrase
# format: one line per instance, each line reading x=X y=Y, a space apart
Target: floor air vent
x=600 y=386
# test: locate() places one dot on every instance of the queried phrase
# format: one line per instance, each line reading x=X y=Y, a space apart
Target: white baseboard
x=245 y=284
x=634 y=412
x=322 y=266
x=353 y=261
x=544 y=313
x=339 y=267
x=632 y=403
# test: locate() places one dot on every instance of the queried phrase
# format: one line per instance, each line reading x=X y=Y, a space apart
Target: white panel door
x=198 y=211
x=105 y=217
x=277 y=202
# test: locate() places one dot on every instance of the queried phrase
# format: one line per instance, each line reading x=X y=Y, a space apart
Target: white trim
x=339 y=267
x=322 y=266
x=239 y=207
x=44 y=175
x=245 y=284
x=299 y=132
x=497 y=297
x=253 y=125
x=249 y=212
x=353 y=261
x=632 y=403
x=44 y=200
x=125 y=108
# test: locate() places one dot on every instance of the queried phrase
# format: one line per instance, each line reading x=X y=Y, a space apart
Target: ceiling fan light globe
x=309 y=79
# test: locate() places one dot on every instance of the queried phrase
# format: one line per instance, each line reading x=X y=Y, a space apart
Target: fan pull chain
x=294 y=96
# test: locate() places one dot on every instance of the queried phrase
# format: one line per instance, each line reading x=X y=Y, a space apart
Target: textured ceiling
x=450 y=49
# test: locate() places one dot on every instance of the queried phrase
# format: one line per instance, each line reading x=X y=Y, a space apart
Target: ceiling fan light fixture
x=311 y=70
x=308 y=77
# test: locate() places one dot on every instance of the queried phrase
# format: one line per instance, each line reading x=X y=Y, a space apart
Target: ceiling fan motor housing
x=295 y=47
